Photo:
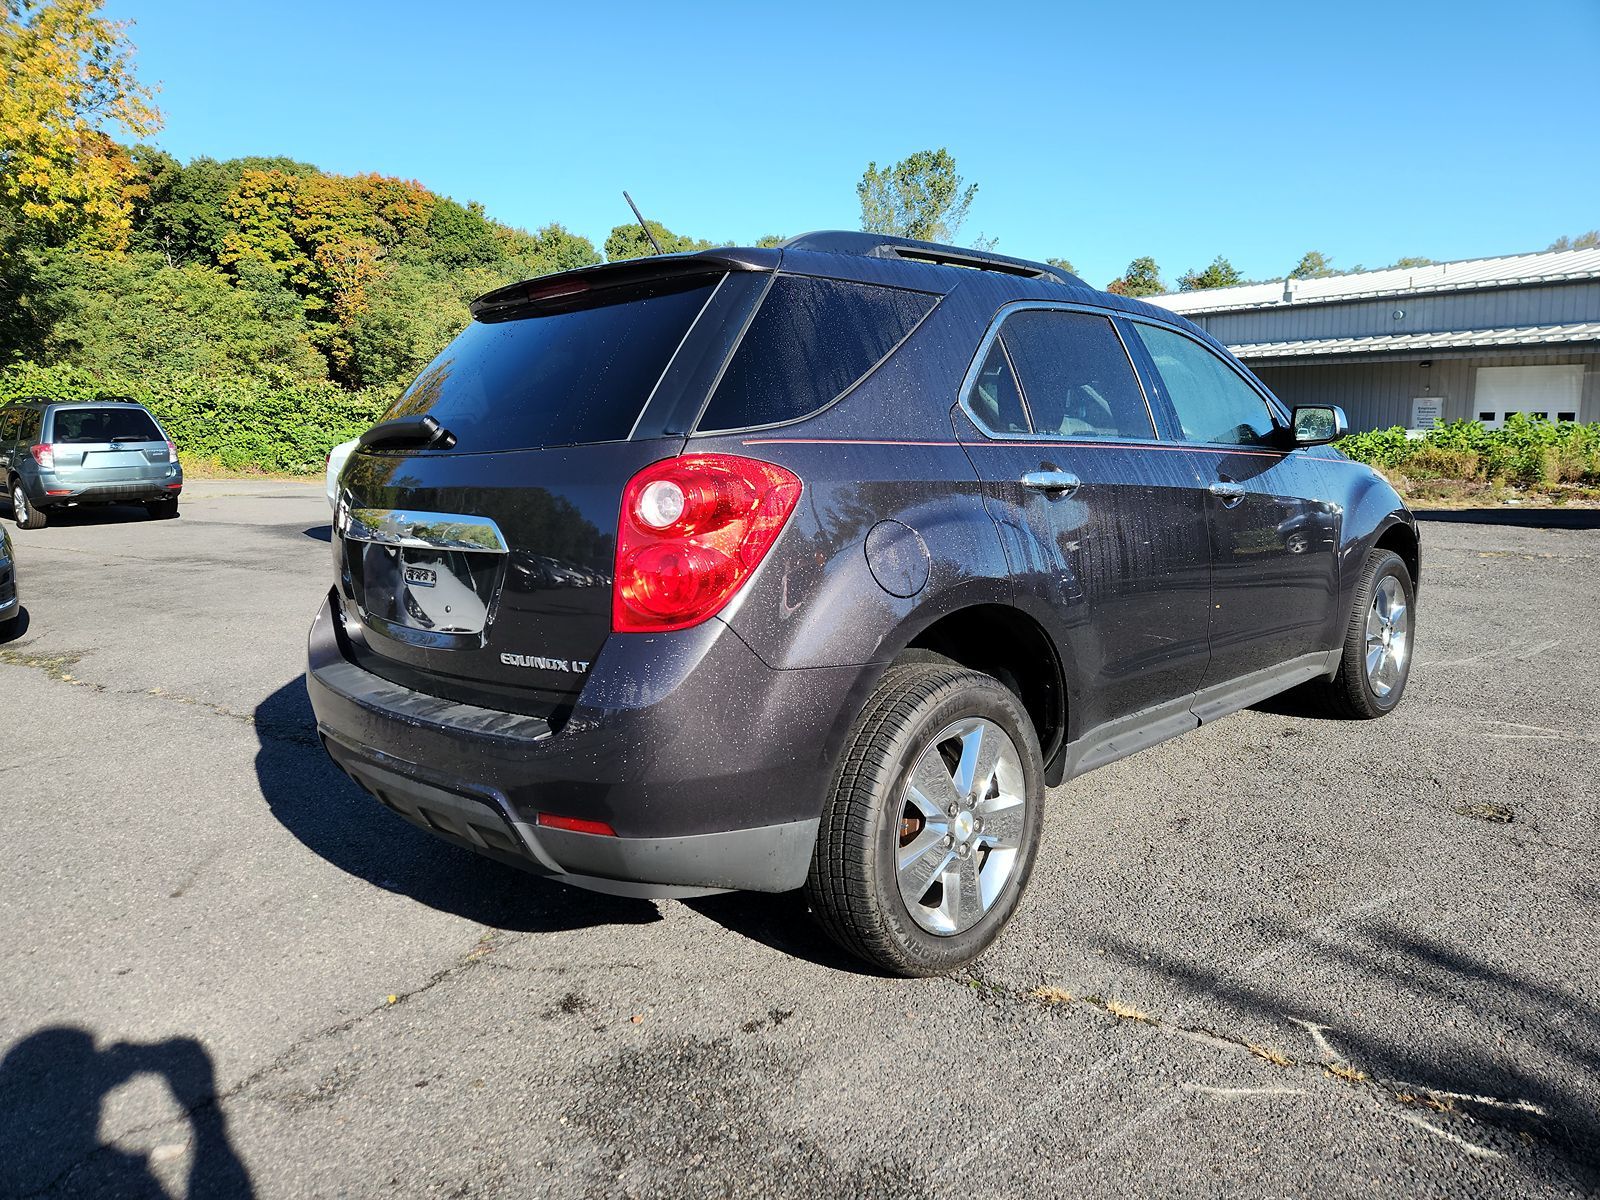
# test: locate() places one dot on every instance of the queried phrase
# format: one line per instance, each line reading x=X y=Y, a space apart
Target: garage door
x=1551 y=392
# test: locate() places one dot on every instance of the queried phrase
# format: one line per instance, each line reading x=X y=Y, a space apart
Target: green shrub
x=237 y=423
x=1388 y=448
x=1525 y=451
x=1429 y=461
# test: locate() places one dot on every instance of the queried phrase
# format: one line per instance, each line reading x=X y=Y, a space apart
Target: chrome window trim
x=413 y=530
x=993 y=332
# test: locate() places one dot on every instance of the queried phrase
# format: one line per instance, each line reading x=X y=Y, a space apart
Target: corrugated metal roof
x=1395 y=342
x=1470 y=274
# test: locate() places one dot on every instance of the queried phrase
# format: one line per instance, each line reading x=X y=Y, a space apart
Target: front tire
x=27 y=516
x=1376 y=662
x=929 y=834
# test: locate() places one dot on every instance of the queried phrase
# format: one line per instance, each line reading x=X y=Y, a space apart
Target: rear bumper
x=710 y=766
x=47 y=490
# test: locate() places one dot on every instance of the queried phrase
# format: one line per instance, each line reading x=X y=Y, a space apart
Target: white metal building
x=1482 y=338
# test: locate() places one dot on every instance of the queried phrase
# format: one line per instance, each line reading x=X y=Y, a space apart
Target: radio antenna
x=642 y=224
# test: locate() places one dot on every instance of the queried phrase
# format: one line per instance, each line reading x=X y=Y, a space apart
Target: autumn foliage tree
x=66 y=83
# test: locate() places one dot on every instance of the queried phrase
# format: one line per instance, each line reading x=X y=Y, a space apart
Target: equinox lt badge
x=570 y=666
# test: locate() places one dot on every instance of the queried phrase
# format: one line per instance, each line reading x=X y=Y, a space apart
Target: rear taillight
x=172 y=452
x=692 y=531
x=44 y=455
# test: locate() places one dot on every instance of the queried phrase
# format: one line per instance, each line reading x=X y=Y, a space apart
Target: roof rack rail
x=882 y=245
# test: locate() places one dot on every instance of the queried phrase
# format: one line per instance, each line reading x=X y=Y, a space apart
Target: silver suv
x=61 y=454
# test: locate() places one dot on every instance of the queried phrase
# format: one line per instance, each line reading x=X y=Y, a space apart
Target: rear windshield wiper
x=424 y=431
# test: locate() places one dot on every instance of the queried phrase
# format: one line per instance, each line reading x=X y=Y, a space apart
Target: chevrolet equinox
x=815 y=566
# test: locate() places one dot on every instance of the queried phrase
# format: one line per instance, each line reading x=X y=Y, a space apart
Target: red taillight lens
x=692 y=531
x=44 y=455
x=172 y=452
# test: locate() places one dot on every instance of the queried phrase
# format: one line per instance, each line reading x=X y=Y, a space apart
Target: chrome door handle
x=1057 y=483
x=1229 y=493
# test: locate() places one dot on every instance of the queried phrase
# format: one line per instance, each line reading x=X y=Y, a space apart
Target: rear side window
x=110 y=424
x=1075 y=376
x=810 y=340
x=1212 y=403
x=995 y=402
x=580 y=373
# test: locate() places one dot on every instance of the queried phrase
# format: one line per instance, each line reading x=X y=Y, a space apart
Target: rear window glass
x=103 y=425
x=554 y=378
x=810 y=340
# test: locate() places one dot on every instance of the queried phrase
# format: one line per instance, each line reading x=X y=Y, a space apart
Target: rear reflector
x=575 y=825
x=58 y=492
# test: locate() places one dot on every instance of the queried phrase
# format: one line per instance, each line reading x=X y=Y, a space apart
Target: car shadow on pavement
x=336 y=820
x=1527 y=518
x=96 y=514
x=1528 y=1110
x=52 y=1085
x=780 y=921
x=320 y=533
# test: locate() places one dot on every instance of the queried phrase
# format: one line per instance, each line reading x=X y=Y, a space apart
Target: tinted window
x=1213 y=404
x=556 y=377
x=810 y=340
x=9 y=420
x=1075 y=376
x=28 y=425
x=124 y=422
x=994 y=401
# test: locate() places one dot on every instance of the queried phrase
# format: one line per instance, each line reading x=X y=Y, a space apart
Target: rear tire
x=161 y=510
x=1376 y=662
x=26 y=515
x=941 y=778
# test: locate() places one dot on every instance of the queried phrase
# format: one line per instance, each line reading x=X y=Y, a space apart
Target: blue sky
x=1094 y=131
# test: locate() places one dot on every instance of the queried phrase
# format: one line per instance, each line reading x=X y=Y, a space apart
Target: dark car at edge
x=815 y=566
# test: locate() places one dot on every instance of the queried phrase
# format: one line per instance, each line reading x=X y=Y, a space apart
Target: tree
x=1583 y=241
x=1142 y=278
x=1221 y=273
x=66 y=76
x=1313 y=265
x=769 y=241
x=918 y=197
x=629 y=241
x=1064 y=263
x=1403 y=264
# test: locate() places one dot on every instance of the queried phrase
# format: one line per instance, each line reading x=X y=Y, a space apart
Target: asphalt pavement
x=1282 y=956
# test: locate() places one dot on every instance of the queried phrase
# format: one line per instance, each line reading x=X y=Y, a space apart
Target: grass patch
x=1271 y=1054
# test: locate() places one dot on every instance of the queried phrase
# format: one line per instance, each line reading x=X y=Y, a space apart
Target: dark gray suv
x=63 y=454
x=815 y=566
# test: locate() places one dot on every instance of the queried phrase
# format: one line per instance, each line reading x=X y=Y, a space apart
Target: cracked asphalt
x=1284 y=955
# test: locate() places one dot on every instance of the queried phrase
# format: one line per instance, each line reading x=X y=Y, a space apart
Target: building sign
x=1425 y=410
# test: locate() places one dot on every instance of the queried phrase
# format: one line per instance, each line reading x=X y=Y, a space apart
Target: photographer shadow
x=53 y=1084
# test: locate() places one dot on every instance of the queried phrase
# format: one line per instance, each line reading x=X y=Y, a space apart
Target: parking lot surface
x=1283 y=955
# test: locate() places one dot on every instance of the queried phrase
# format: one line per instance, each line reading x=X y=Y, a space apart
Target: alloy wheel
x=1388 y=636
x=962 y=820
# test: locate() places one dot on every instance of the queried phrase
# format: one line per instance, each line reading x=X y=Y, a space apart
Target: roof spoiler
x=506 y=301
x=882 y=245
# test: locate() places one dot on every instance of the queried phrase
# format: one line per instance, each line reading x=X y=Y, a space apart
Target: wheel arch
x=1003 y=641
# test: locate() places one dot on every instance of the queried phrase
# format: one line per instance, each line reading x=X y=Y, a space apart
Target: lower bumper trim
x=766 y=858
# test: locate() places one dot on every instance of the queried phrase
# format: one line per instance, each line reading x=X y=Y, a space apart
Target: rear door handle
x=1055 y=483
x=1229 y=493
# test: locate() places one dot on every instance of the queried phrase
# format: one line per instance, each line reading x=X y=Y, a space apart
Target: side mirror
x=1317 y=424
